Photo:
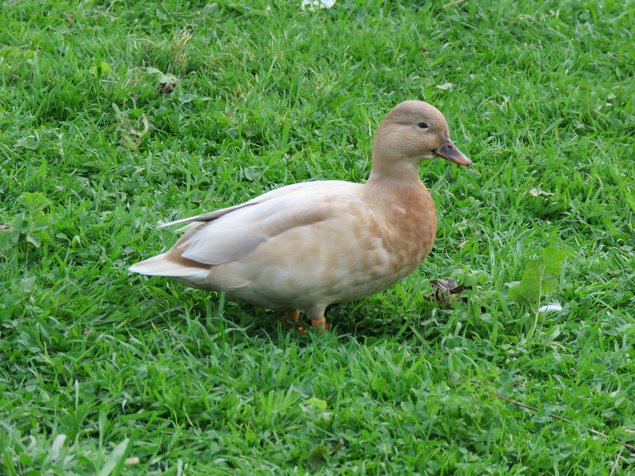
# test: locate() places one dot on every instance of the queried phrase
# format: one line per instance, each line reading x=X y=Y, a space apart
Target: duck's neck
x=403 y=172
x=389 y=166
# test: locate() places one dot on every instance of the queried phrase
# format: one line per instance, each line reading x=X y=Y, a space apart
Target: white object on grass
x=313 y=4
x=554 y=306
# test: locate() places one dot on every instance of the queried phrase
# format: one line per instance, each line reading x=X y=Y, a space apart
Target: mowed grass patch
x=105 y=372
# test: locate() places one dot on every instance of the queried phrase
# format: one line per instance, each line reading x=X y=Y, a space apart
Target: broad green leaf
x=317 y=457
x=34 y=240
x=541 y=276
x=26 y=285
x=163 y=77
x=29 y=142
x=21 y=223
x=316 y=402
x=8 y=239
x=33 y=202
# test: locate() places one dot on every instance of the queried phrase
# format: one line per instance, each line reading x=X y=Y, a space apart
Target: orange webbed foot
x=317 y=324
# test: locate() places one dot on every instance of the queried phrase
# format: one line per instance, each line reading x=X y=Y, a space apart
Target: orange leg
x=290 y=316
x=317 y=324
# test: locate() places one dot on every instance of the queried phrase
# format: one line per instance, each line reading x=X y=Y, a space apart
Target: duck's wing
x=209 y=216
x=238 y=232
x=226 y=235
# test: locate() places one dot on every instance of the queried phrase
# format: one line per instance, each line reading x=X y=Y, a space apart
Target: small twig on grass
x=630 y=447
x=617 y=459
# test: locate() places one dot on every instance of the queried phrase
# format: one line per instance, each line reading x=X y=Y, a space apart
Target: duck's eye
x=423 y=125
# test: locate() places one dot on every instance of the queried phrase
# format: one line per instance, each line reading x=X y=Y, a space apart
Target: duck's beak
x=450 y=152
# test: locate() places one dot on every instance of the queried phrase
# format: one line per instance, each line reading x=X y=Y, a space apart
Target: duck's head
x=411 y=132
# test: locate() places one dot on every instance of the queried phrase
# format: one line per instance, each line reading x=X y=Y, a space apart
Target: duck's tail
x=169 y=266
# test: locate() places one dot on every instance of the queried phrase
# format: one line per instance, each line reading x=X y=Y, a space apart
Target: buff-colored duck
x=308 y=245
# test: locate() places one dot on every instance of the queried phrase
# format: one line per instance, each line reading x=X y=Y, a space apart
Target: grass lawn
x=117 y=115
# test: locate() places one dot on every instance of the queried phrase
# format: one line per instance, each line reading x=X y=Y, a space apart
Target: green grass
x=130 y=367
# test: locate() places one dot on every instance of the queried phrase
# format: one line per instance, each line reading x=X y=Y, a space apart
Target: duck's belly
x=320 y=265
x=283 y=289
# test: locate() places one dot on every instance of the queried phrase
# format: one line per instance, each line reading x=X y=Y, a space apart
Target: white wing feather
x=237 y=232
x=209 y=216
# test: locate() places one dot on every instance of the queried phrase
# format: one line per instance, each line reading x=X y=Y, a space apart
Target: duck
x=305 y=246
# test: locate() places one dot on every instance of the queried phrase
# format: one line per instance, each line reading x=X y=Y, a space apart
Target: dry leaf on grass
x=447 y=291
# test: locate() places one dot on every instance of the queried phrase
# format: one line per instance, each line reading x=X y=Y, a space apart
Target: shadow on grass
x=374 y=319
x=364 y=321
